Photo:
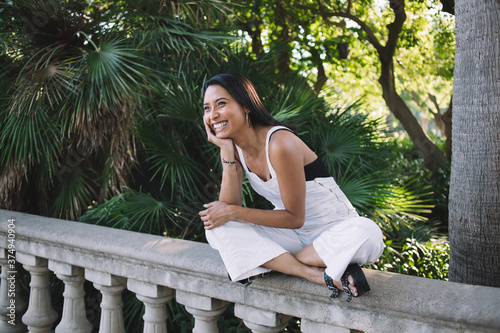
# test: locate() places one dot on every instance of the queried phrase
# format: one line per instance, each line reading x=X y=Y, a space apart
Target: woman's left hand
x=217 y=213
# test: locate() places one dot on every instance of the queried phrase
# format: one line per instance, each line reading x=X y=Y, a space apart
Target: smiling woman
x=314 y=232
x=220 y=107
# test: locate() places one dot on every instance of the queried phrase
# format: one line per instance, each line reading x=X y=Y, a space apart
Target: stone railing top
x=396 y=302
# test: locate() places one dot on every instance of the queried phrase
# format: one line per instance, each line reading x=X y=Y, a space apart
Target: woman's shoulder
x=283 y=140
x=285 y=143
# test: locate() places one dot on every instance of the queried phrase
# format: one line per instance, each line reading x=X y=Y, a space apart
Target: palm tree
x=78 y=77
x=475 y=180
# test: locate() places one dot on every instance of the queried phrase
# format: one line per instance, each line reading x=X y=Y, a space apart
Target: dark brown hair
x=243 y=91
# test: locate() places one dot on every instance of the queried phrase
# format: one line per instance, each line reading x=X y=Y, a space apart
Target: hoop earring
x=248 y=119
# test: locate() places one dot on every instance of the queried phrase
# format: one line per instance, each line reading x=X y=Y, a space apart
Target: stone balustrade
x=157 y=269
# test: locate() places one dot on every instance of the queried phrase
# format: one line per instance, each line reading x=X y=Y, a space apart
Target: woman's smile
x=219 y=126
x=223 y=113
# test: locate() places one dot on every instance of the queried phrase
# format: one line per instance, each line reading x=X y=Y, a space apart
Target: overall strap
x=268 y=138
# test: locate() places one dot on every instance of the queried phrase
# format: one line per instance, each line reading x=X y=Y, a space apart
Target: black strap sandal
x=359 y=281
x=245 y=282
x=248 y=281
x=331 y=286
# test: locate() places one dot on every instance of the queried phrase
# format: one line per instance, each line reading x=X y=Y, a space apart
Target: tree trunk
x=446 y=118
x=255 y=34
x=285 y=53
x=322 y=78
x=474 y=204
x=433 y=156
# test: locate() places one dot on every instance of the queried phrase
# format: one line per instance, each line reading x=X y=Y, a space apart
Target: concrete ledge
x=396 y=302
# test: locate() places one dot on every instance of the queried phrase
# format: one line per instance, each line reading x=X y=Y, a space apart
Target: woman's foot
x=352 y=286
x=353 y=282
x=318 y=277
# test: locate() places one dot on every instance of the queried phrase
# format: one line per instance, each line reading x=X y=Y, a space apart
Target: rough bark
x=474 y=205
x=447 y=120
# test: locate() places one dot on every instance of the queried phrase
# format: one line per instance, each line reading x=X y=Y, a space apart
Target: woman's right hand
x=221 y=143
x=232 y=174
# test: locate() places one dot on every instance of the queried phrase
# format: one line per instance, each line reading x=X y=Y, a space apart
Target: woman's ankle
x=316 y=275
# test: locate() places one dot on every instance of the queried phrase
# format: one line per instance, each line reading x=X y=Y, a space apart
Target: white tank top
x=325 y=202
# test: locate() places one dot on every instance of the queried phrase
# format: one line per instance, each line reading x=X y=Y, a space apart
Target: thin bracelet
x=227 y=162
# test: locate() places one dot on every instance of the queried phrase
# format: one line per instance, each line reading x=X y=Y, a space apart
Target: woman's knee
x=370 y=228
x=375 y=239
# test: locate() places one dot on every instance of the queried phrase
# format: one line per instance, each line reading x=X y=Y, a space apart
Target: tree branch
x=326 y=14
x=398 y=6
x=448 y=6
x=322 y=78
x=434 y=101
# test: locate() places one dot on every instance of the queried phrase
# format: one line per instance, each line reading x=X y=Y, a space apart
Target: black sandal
x=359 y=281
x=331 y=286
x=248 y=281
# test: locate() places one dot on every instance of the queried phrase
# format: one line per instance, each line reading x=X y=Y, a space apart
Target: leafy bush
x=429 y=259
x=408 y=164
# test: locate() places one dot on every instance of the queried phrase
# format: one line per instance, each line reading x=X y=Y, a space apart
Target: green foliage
x=412 y=245
x=408 y=164
x=137 y=212
x=75 y=183
x=355 y=148
x=77 y=78
x=429 y=259
x=29 y=137
x=314 y=29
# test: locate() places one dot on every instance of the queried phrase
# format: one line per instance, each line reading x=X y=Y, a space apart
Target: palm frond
x=29 y=137
x=378 y=196
x=296 y=103
x=74 y=192
x=46 y=78
x=170 y=158
x=182 y=98
x=344 y=137
x=200 y=13
x=169 y=35
x=108 y=79
x=135 y=211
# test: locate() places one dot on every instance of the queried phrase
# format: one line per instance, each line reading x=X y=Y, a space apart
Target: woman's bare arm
x=287 y=153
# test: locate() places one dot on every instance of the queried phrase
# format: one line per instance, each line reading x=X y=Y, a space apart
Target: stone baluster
x=40 y=315
x=309 y=326
x=155 y=299
x=205 y=310
x=74 y=318
x=261 y=321
x=111 y=287
x=12 y=305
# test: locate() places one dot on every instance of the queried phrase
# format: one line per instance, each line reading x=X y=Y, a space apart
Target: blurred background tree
x=400 y=50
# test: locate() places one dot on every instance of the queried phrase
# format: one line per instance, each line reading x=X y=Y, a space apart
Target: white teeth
x=220 y=125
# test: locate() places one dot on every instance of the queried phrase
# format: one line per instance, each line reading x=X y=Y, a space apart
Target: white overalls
x=339 y=235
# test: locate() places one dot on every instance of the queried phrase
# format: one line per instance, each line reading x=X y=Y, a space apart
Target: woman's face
x=223 y=113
